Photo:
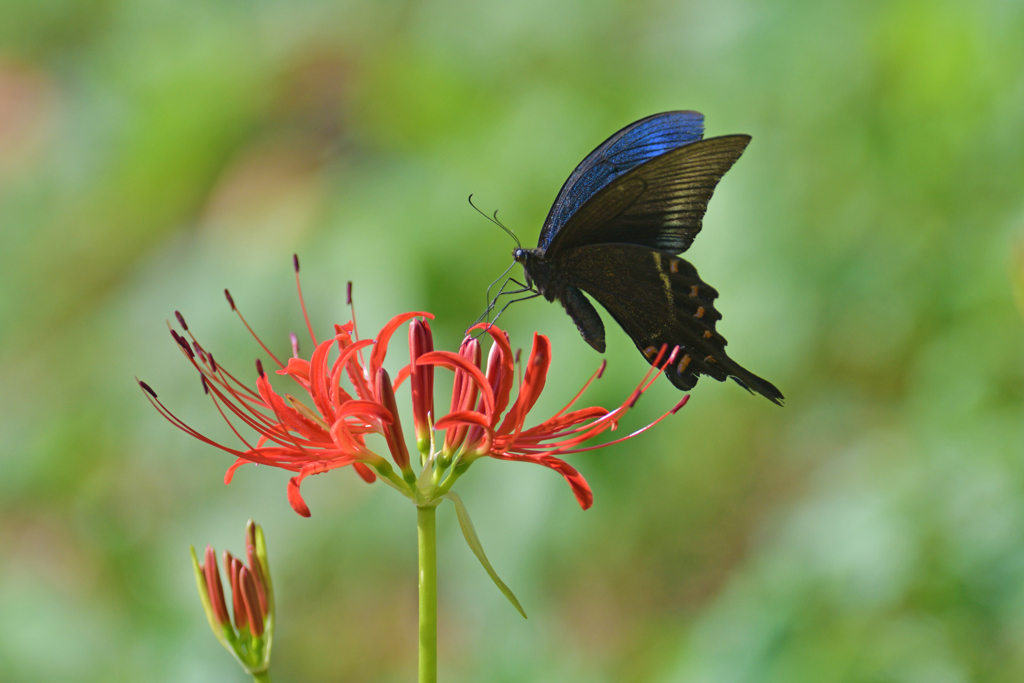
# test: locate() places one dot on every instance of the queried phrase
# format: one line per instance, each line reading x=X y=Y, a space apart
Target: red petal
x=450 y=360
x=381 y=349
x=365 y=472
x=368 y=408
x=291 y=418
x=533 y=384
x=295 y=498
x=579 y=485
x=319 y=389
x=507 y=369
x=229 y=475
x=298 y=368
x=349 y=361
x=403 y=375
x=462 y=417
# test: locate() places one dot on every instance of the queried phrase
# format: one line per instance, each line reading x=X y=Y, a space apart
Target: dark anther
x=600 y=370
x=183 y=344
x=519 y=352
x=295 y=261
x=634 y=398
x=181 y=319
x=259 y=367
x=213 y=366
x=206 y=389
x=230 y=300
x=148 y=388
x=348 y=293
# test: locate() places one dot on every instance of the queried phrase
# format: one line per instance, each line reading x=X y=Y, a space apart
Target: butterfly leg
x=491 y=286
x=513 y=301
x=493 y=303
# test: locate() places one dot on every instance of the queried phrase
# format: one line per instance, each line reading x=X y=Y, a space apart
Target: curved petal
x=580 y=488
x=291 y=418
x=368 y=408
x=480 y=433
x=298 y=368
x=505 y=368
x=462 y=418
x=451 y=361
x=533 y=384
x=365 y=472
x=230 y=474
x=403 y=374
x=295 y=496
x=319 y=389
x=342 y=362
x=381 y=349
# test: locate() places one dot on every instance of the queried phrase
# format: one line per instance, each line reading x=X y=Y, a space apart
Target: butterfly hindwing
x=635 y=144
x=659 y=204
x=659 y=299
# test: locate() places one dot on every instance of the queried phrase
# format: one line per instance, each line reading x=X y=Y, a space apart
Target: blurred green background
x=867 y=248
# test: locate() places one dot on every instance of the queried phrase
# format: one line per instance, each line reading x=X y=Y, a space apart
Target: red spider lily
x=330 y=432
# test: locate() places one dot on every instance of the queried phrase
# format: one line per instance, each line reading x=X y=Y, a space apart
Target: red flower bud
x=254 y=564
x=464 y=394
x=214 y=588
x=251 y=600
x=233 y=566
x=392 y=430
x=421 y=381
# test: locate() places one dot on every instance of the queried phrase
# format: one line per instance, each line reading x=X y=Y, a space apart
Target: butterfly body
x=615 y=232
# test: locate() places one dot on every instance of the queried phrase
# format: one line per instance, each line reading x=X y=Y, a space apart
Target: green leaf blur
x=868 y=248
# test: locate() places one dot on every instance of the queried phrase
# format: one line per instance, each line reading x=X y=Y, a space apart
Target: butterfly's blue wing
x=659 y=204
x=635 y=144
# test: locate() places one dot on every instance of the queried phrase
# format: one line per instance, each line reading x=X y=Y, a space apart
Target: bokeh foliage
x=868 y=247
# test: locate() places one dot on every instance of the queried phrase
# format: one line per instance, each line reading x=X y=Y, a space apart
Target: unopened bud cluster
x=247 y=632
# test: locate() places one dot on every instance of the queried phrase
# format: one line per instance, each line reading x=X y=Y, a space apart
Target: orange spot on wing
x=693 y=290
x=707 y=334
x=684 y=363
x=699 y=313
x=709 y=359
x=673 y=265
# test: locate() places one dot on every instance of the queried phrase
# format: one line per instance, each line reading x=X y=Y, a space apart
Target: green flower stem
x=426 y=529
x=262 y=677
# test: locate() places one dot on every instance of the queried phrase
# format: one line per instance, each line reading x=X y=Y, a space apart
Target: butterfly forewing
x=659 y=204
x=635 y=144
x=659 y=299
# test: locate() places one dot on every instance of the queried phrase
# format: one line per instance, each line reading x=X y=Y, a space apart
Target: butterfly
x=615 y=232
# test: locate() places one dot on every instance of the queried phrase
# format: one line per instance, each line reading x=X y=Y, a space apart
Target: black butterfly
x=614 y=231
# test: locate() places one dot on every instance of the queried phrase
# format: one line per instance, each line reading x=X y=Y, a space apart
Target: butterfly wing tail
x=690 y=368
x=755 y=384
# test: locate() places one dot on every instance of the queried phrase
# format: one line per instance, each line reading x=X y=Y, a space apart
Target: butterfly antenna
x=495 y=220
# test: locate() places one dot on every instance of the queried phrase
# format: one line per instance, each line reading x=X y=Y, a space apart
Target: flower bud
x=393 y=430
x=249 y=634
x=495 y=372
x=421 y=381
x=464 y=395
